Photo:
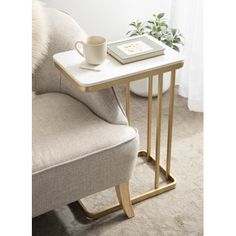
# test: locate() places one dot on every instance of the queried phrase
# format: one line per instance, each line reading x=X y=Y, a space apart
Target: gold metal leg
x=149 y=124
x=170 y=122
x=127 y=101
x=158 y=131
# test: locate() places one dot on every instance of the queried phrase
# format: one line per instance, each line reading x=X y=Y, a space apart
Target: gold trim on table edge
x=124 y=80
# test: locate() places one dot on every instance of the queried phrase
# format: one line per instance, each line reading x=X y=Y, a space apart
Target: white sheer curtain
x=187 y=15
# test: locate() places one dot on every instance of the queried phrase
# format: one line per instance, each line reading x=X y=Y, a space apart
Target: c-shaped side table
x=116 y=74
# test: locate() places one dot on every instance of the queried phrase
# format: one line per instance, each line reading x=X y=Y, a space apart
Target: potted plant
x=157 y=27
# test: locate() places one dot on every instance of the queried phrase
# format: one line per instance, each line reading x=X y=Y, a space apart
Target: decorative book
x=135 y=49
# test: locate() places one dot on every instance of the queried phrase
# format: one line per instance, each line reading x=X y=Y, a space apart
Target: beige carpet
x=176 y=213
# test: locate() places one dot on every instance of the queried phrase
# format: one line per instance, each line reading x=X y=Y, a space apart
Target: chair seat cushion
x=72 y=147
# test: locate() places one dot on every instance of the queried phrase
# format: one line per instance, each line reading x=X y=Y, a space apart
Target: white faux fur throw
x=39 y=33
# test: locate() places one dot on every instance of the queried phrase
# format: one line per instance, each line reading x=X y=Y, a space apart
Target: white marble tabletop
x=69 y=62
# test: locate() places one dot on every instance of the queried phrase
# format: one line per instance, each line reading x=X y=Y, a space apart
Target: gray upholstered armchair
x=82 y=143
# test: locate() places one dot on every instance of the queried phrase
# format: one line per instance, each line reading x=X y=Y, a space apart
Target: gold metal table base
x=169 y=185
x=158 y=169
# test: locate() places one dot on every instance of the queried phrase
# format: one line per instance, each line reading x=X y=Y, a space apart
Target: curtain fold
x=187 y=15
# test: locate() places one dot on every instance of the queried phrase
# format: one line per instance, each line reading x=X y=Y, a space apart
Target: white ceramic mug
x=94 y=49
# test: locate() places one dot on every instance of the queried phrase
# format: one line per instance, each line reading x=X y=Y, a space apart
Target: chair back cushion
x=63 y=33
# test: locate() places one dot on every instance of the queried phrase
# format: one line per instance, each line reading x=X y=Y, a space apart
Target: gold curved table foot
x=169 y=185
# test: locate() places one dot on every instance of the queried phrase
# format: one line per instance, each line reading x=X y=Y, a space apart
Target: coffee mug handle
x=77 y=49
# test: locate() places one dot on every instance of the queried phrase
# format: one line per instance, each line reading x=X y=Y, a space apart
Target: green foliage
x=158 y=28
x=139 y=28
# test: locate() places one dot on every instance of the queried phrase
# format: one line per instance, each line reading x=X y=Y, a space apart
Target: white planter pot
x=140 y=87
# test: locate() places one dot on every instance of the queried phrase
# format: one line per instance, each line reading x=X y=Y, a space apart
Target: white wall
x=109 y=18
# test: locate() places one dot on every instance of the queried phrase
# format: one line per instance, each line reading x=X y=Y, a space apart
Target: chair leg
x=122 y=192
